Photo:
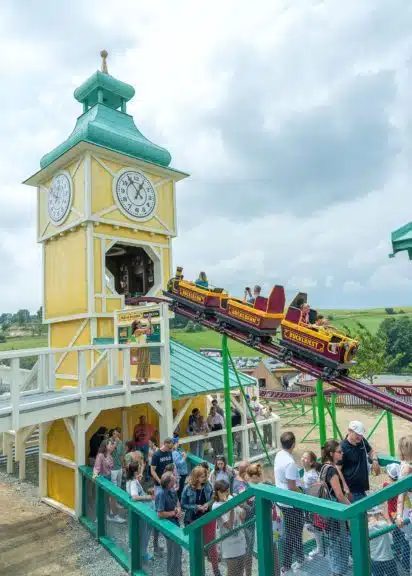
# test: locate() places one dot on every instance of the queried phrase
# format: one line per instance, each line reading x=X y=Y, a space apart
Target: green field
x=371 y=318
x=25 y=342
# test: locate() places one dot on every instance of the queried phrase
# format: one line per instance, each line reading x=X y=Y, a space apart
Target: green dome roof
x=105 y=122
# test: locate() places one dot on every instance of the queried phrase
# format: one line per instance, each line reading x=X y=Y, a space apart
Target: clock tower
x=105 y=220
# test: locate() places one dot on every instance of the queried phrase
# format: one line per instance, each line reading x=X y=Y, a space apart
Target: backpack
x=319 y=489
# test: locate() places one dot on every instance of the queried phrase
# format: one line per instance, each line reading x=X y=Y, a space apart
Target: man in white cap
x=357 y=453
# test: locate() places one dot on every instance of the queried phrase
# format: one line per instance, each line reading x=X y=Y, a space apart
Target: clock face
x=135 y=195
x=60 y=198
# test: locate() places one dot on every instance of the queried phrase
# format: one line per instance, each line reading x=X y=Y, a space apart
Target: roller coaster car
x=324 y=344
x=262 y=318
x=203 y=300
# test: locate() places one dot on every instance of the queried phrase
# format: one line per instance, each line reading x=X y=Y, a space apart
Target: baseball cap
x=393 y=470
x=357 y=427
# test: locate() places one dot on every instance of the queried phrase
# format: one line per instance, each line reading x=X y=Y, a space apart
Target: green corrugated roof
x=402 y=240
x=193 y=374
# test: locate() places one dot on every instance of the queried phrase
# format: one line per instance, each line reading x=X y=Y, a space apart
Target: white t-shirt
x=285 y=469
x=380 y=547
x=309 y=478
x=235 y=545
x=134 y=488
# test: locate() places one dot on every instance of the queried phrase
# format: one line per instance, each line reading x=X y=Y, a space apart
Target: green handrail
x=217 y=512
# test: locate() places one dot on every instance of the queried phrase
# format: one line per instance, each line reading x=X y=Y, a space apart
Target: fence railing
x=128 y=542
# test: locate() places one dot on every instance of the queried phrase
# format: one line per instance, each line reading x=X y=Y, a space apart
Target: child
x=400 y=544
x=311 y=476
x=168 y=508
x=137 y=494
x=221 y=472
x=382 y=560
x=234 y=546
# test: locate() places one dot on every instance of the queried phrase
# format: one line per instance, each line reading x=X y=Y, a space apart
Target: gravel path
x=37 y=540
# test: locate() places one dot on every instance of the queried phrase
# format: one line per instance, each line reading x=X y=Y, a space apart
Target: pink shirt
x=103 y=464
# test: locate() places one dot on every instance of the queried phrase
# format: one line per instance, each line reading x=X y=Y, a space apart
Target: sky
x=293 y=118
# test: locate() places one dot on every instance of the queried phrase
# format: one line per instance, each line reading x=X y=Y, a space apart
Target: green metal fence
x=124 y=539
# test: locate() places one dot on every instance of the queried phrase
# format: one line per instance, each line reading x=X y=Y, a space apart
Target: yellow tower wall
x=65 y=275
x=60 y=479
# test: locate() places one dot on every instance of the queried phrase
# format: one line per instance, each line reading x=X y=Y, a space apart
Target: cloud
x=293 y=119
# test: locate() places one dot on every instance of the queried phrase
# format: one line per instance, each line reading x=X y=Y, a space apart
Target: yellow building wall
x=127 y=234
x=61 y=336
x=78 y=198
x=65 y=275
x=60 y=479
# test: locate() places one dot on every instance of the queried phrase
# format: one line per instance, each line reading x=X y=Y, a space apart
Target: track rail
x=345 y=383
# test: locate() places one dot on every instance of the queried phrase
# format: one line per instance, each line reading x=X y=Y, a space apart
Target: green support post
x=314 y=418
x=333 y=414
x=360 y=545
x=264 y=529
x=391 y=436
x=196 y=553
x=321 y=412
x=228 y=409
x=100 y=512
x=134 y=542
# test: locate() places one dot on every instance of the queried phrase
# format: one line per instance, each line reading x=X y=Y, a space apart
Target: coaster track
x=347 y=384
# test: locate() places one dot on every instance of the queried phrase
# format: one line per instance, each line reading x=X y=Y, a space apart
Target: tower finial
x=104 y=54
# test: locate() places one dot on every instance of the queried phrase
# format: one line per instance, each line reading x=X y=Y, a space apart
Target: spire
x=104 y=54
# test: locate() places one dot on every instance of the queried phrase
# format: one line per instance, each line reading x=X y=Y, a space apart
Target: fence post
x=333 y=412
x=360 y=545
x=134 y=542
x=196 y=553
x=228 y=410
x=314 y=417
x=100 y=512
x=391 y=436
x=15 y=392
x=82 y=376
x=264 y=533
x=321 y=412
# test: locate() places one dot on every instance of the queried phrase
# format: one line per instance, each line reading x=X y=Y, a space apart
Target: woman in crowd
x=133 y=455
x=137 y=494
x=311 y=469
x=254 y=475
x=221 y=472
x=196 y=501
x=117 y=455
x=103 y=467
x=199 y=427
x=234 y=546
x=338 y=546
x=179 y=458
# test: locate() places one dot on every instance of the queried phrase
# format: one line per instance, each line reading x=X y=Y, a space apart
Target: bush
x=2 y=338
x=401 y=312
x=190 y=326
x=331 y=318
x=390 y=311
x=199 y=328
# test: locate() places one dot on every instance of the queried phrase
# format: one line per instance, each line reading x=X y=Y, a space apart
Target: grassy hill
x=371 y=318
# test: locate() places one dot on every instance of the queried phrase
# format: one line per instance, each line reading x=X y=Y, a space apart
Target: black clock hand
x=138 y=195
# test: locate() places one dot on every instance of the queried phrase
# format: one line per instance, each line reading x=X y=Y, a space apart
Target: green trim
x=89 y=524
x=374 y=427
x=388 y=528
x=108 y=84
x=360 y=545
x=118 y=554
x=265 y=548
x=134 y=542
x=100 y=512
x=228 y=410
x=196 y=554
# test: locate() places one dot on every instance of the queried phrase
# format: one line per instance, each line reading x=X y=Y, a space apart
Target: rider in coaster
x=202 y=280
x=248 y=294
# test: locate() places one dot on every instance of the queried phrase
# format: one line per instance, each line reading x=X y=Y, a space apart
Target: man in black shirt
x=160 y=459
x=356 y=458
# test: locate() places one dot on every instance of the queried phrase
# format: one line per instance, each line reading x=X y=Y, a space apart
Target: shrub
x=190 y=326
x=199 y=328
x=2 y=338
x=331 y=318
x=390 y=311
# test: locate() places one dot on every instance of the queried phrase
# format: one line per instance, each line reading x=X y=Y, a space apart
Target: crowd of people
x=343 y=472
x=160 y=476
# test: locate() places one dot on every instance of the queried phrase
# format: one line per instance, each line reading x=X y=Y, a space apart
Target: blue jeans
x=338 y=547
x=384 y=568
x=356 y=496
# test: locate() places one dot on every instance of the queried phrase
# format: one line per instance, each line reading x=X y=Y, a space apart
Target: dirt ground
x=36 y=540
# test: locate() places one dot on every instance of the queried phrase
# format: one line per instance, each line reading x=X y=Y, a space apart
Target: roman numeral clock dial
x=135 y=195
x=60 y=198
